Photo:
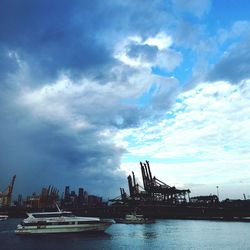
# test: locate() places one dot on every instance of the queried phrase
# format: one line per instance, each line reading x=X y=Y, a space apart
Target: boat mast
x=59 y=210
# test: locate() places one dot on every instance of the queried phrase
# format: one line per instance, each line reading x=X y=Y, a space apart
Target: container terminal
x=155 y=199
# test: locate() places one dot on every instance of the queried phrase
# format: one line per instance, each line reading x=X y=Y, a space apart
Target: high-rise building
x=67 y=194
x=80 y=197
x=80 y=192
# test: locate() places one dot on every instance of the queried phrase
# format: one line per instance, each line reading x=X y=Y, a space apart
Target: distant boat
x=60 y=222
x=134 y=219
x=3 y=217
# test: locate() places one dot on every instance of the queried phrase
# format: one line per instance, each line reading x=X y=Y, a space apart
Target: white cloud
x=161 y=40
x=85 y=103
x=168 y=59
x=205 y=138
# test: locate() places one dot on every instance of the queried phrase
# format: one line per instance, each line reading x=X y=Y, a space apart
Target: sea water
x=163 y=234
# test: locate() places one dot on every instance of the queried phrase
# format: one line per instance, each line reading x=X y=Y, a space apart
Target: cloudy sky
x=88 y=89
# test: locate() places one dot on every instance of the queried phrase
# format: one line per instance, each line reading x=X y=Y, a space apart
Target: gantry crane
x=158 y=190
x=153 y=189
x=6 y=195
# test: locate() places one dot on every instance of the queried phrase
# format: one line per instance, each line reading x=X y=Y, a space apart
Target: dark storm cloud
x=70 y=36
x=8 y=63
x=39 y=41
x=41 y=152
x=234 y=66
x=53 y=36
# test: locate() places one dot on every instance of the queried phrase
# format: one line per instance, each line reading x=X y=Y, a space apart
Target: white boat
x=60 y=222
x=134 y=219
x=3 y=217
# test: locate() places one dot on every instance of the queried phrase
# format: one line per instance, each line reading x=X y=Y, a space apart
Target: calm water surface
x=164 y=234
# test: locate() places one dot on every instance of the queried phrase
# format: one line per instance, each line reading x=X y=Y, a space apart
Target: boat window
x=63 y=223
x=28 y=224
x=46 y=215
x=41 y=222
x=53 y=215
x=68 y=215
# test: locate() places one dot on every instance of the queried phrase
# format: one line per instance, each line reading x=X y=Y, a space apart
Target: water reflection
x=141 y=231
x=65 y=236
x=150 y=235
x=164 y=234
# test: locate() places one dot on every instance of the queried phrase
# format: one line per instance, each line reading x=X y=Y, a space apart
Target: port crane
x=153 y=189
x=158 y=190
x=6 y=195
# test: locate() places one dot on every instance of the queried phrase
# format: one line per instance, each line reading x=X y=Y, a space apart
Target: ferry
x=134 y=219
x=3 y=217
x=60 y=222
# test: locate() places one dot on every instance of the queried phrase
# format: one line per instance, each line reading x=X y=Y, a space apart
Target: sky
x=88 y=89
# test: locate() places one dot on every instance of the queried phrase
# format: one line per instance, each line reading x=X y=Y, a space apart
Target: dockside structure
x=159 y=200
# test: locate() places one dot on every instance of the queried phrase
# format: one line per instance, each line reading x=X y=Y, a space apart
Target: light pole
x=217 y=187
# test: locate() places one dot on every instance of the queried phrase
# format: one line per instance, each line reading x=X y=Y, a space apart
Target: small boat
x=134 y=219
x=60 y=222
x=3 y=217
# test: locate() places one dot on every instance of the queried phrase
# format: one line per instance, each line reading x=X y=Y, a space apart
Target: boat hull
x=97 y=227
x=3 y=217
